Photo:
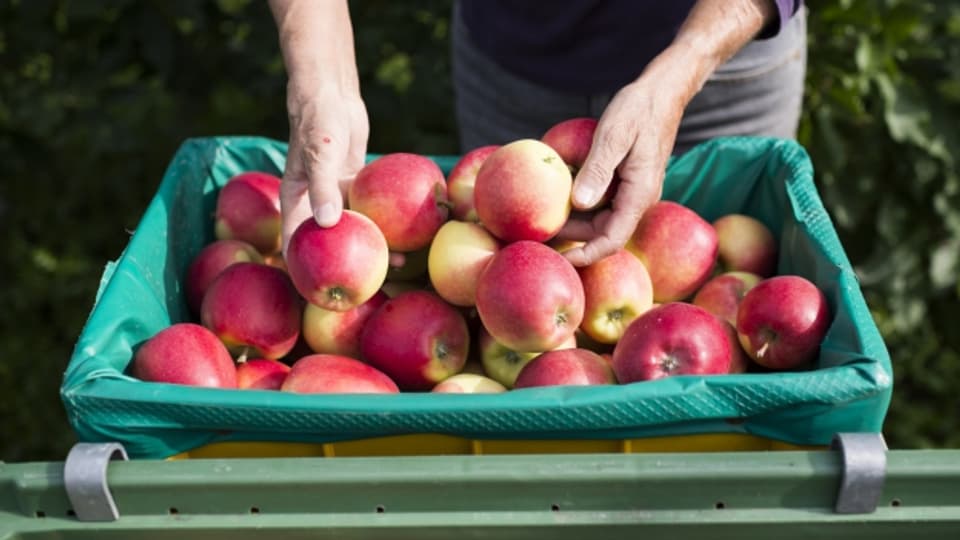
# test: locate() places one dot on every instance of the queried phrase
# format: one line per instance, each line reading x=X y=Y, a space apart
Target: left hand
x=635 y=137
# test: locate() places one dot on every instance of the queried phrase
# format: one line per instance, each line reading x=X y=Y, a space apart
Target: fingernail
x=326 y=215
x=584 y=195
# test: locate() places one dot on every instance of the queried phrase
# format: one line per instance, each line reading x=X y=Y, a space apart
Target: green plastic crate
x=769 y=179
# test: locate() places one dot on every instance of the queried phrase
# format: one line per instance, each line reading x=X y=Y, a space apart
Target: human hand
x=328 y=143
x=634 y=137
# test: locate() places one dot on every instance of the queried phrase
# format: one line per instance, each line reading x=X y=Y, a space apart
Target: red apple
x=185 y=353
x=782 y=321
x=417 y=339
x=261 y=374
x=405 y=195
x=209 y=262
x=572 y=140
x=522 y=192
x=617 y=290
x=746 y=244
x=340 y=267
x=338 y=332
x=502 y=363
x=468 y=383
x=458 y=255
x=530 y=297
x=248 y=209
x=254 y=309
x=461 y=180
x=334 y=374
x=678 y=247
x=676 y=338
x=569 y=367
x=721 y=294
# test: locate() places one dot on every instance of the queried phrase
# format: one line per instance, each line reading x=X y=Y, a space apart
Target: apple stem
x=243 y=355
x=762 y=351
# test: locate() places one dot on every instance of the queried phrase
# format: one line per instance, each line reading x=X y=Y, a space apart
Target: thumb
x=598 y=169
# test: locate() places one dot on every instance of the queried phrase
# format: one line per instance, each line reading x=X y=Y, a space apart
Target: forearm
x=713 y=32
x=316 y=38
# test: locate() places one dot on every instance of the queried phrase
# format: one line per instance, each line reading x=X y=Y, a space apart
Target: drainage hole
x=895 y=502
x=554 y=507
x=173 y=511
x=720 y=505
x=71 y=513
x=40 y=514
x=254 y=509
x=381 y=509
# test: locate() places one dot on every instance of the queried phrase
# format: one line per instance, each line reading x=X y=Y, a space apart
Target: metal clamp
x=85 y=479
x=864 y=471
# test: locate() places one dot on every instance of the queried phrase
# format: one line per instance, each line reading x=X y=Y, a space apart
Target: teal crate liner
x=770 y=179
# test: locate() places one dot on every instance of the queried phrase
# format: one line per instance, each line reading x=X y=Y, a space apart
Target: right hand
x=328 y=145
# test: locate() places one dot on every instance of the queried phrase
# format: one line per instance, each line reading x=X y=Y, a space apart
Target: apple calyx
x=670 y=364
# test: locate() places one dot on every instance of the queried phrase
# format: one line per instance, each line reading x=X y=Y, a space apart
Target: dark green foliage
x=96 y=96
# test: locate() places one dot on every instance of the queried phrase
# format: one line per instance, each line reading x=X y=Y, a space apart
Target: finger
x=610 y=145
x=593 y=251
x=324 y=158
x=583 y=227
x=294 y=208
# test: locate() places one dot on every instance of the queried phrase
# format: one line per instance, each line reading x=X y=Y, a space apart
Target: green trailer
x=858 y=490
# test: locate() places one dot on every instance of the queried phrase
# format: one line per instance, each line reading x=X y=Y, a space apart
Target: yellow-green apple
x=405 y=195
x=461 y=180
x=782 y=321
x=338 y=332
x=721 y=294
x=261 y=374
x=502 y=363
x=678 y=247
x=468 y=383
x=335 y=374
x=617 y=290
x=572 y=139
x=185 y=353
x=568 y=367
x=563 y=245
x=254 y=309
x=458 y=255
x=529 y=297
x=522 y=192
x=248 y=209
x=209 y=262
x=417 y=339
x=676 y=338
x=275 y=260
x=340 y=267
x=745 y=243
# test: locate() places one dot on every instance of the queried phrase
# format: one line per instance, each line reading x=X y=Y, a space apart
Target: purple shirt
x=583 y=46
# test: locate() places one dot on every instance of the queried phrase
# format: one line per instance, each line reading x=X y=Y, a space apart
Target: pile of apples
x=485 y=300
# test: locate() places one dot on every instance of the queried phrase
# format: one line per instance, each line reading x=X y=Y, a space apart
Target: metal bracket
x=864 y=471
x=85 y=479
